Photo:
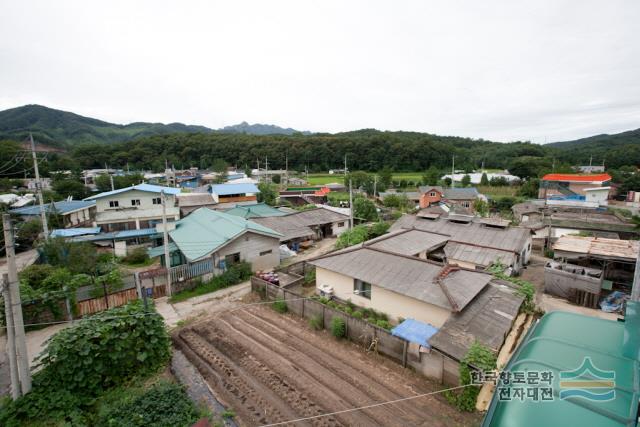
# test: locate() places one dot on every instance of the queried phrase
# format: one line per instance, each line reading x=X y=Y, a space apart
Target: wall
x=386 y=301
x=249 y=245
x=128 y=213
x=337 y=230
x=426 y=200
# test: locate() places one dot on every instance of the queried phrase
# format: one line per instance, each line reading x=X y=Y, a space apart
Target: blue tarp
x=415 y=331
x=72 y=232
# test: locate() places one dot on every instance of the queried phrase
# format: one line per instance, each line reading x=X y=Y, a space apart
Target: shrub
x=332 y=304
x=165 y=404
x=383 y=324
x=280 y=306
x=137 y=256
x=315 y=322
x=481 y=357
x=347 y=310
x=81 y=362
x=338 y=327
x=323 y=300
x=310 y=277
x=235 y=274
x=358 y=314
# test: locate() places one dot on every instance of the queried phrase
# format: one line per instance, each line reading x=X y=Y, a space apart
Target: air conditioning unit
x=326 y=290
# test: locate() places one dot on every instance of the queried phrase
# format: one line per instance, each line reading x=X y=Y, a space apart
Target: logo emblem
x=588 y=382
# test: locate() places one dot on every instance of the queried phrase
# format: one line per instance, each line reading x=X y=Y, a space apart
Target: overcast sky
x=501 y=70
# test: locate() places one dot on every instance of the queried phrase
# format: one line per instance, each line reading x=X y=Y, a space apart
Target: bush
x=137 y=256
x=480 y=357
x=165 y=404
x=357 y=234
x=358 y=314
x=235 y=274
x=323 y=300
x=338 y=327
x=378 y=229
x=81 y=362
x=280 y=306
x=310 y=277
x=315 y=322
x=384 y=324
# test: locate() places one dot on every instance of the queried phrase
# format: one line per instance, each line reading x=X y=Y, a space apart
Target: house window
x=232 y=259
x=135 y=202
x=157 y=201
x=114 y=204
x=432 y=194
x=263 y=253
x=361 y=288
x=465 y=204
x=341 y=224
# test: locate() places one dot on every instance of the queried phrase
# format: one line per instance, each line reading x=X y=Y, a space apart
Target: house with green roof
x=223 y=238
x=258 y=210
x=592 y=366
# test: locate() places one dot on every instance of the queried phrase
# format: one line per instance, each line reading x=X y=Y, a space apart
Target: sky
x=542 y=71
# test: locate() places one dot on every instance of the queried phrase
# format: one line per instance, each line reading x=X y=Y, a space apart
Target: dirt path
x=273 y=368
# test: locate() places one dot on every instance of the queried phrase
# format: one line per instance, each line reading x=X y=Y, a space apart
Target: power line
x=374 y=405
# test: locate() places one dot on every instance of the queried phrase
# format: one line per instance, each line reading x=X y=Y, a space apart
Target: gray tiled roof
x=464 y=193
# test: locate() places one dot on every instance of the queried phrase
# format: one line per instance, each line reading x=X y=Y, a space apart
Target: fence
x=433 y=364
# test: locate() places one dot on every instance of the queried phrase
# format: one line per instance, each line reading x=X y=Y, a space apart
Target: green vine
x=525 y=289
x=479 y=357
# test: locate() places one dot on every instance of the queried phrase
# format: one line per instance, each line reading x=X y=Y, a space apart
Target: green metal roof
x=159 y=250
x=205 y=230
x=258 y=210
x=561 y=341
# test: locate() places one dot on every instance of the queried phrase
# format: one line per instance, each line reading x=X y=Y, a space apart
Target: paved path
x=23 y=259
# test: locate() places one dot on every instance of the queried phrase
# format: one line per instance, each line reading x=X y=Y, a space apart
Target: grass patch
x=338 y=327
x=507 y=190
x=280 y=306
x=316 y=322
x=237 y=273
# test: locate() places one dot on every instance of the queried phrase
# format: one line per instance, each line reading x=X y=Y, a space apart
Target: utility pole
x=22 y=357
x=453 y=171
x=11 y=340
x=635 y=290
x=286 y=167
x=375 y=185
x=590 y=162
x=43 y=215
x=350 y=206
x=266 y=170
x=165 y=235
x=345 y=165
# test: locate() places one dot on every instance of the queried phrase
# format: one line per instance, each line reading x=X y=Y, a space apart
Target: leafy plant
x=315 y=322
x=228 y=413
x=235 y=274
x=384 y=324
x=338 y=327
x=137 y=256
x=280 y=306
x=357 y=314
x=478 y=356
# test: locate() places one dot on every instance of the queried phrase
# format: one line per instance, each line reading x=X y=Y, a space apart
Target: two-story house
x=134 y=208
x=430 y=195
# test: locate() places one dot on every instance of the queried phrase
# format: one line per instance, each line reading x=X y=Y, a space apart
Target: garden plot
x=271 y=368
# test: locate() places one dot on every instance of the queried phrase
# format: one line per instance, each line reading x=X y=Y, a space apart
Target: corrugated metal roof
x=582 y=345
x=159 y=250
x=116 y=235
x=195 y=199
x=415 y=331
x=257 y=210
x=140 y=187
x=568 y=177
x=598 y=246
x=62 y=207
x=319 y=216
x=289 y=226
x=487 y=319
x=72 y=232
x=205 y=230
x=408 y=276
x=228 y=189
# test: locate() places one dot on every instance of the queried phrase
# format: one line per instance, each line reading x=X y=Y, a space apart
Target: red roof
x=599 y=177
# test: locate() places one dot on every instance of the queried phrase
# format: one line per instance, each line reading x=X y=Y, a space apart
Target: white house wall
x=391 y=303
x=128 y=213
x=250 y=245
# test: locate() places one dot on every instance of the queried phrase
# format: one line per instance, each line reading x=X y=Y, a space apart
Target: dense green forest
x=368 y=149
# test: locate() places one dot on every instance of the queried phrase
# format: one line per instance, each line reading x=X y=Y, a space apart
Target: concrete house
x=230 y=193
x=223 y=238
x=572 y=185
x=134 y=208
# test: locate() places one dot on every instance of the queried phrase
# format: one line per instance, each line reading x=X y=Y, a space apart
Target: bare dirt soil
x=272 y=368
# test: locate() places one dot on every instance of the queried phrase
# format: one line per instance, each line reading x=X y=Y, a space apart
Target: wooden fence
x=96 y=305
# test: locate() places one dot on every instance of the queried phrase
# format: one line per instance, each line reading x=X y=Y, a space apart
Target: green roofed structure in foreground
x=206 y=233
x=562 y=341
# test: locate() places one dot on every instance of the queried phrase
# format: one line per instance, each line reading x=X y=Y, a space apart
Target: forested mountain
x=63 y=129
x=615 y=150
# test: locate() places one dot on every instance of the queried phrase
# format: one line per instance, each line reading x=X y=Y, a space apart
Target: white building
x=134 y=208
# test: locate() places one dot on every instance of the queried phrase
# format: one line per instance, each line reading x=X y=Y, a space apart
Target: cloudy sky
x=543 y=70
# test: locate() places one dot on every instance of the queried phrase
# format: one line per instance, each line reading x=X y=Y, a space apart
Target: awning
x=159 y=250
x=415 y=331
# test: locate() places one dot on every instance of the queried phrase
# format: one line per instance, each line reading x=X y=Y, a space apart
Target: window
x=361 y=288
x=341 y=224
x=263 y=253
x=432 y=194
x=157 y=201
x=465 y=204
x=232 y=259
x=135 y=202
x=114 y=204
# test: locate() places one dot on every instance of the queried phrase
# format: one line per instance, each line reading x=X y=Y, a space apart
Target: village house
x=134 y=208
x=474 y=243
x=299 y=196
x=233 y=193
x=430 y=195
x=74 y=213
x=189 y=202
x=221 y=240
x=585 y=190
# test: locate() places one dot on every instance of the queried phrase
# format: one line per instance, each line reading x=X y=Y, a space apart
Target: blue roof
x=118 y=235
x=140 y=187
x=226 y=189
x=415 y=331
x=59 y=207
x=72 y=232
